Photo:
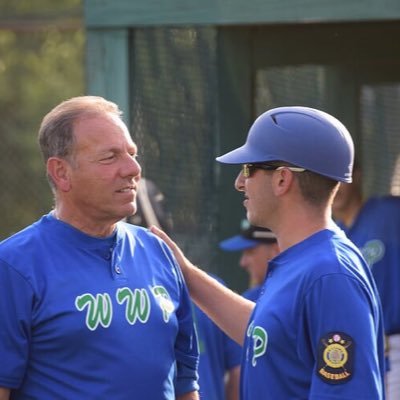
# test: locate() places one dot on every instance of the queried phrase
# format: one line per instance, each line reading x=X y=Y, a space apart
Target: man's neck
x=96 y=228
x=307 y=222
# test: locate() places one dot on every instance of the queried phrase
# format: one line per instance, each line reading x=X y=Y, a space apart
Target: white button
x=117 y=269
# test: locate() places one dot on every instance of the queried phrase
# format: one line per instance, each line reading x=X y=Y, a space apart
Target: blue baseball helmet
x=302 y=136
x=250 y=236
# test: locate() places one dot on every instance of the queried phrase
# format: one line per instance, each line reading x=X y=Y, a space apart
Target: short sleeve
x=186 y=349
x=16 y=302
x=341 y=322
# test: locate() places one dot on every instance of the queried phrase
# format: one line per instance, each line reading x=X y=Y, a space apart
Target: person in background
x=151 y=207
x=220 y=356
x=92 y=307
x=374 y=226
x=258 y=246
x=316 y=331
x=219 y=361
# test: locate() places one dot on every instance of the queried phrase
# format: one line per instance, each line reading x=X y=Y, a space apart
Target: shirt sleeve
x=341 y=322
x=16 y=300
x=186 y=346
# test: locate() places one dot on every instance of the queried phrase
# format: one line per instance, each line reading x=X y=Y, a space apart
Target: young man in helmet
x=316 y=331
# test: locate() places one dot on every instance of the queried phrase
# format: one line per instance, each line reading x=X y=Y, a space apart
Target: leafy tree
x=41 y=64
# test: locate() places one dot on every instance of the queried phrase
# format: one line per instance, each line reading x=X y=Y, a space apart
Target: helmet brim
x=245 y=154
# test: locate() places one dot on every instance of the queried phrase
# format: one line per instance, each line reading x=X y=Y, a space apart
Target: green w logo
x=137 y=304
x=99 y=309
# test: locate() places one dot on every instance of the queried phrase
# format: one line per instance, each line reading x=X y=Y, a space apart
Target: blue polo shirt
x=93 y=318
x=316 y=331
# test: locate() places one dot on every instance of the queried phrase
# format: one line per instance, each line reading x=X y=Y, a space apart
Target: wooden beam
x=107 y=67
x=123 y=13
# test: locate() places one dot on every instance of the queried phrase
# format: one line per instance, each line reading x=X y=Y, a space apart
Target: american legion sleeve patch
x=335 y=358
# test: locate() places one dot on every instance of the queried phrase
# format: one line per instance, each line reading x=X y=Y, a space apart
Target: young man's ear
x=282 y=181
x=58 y=170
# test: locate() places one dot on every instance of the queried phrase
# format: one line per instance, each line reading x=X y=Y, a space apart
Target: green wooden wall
x=119 y=13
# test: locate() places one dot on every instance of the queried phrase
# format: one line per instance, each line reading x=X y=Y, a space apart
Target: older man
x=92 y=307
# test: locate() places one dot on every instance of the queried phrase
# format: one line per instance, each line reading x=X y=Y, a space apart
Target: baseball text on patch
x=335 y=357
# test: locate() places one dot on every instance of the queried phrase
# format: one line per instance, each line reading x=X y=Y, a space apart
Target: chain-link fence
x=174 y=123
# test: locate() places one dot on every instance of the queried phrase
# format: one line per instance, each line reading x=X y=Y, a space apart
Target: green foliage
x=40 y=65
x=39 y=7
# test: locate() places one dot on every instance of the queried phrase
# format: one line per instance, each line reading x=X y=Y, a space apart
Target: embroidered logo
x=164 y=300
x=335 y=358
x=373 y=251
x=99 y=309
x=259 y=338
x=137 y=302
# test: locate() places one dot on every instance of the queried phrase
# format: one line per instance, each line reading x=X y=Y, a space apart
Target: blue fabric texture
x=93 y=318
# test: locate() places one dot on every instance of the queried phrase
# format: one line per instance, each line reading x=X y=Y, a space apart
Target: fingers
x=162 y=235
x=158 y=232
x=180 y=257
x=171 y=244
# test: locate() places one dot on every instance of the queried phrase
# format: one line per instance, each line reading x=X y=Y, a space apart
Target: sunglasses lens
x=246 y=170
